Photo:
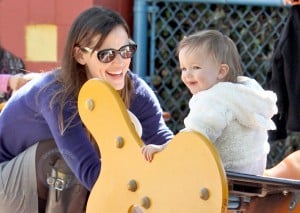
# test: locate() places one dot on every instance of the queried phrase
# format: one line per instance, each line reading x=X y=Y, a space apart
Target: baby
x=233 y=111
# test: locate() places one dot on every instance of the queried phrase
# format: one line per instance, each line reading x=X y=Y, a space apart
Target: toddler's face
x=199 y=71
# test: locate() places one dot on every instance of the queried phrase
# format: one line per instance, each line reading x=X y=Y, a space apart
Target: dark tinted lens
x=106 y=56
x=128 y=51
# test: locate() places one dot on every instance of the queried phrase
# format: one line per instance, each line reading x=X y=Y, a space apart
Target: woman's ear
x=224 y=69
x=79 y=56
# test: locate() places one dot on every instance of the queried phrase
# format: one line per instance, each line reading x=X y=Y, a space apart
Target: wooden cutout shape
x=187 y=176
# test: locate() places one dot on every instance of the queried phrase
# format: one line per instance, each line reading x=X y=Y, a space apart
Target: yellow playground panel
x=1 y=106
x=187 y=176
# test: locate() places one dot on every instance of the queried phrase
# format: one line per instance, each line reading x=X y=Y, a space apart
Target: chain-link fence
x=254 y=28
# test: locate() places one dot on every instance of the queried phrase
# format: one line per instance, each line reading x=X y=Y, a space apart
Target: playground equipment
x=172 y=182
x=1 y=106
x=187 y=176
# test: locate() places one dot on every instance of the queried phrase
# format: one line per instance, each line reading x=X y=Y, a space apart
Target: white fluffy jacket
x=235 y=117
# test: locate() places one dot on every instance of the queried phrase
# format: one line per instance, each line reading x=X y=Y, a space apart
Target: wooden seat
x=185 y=177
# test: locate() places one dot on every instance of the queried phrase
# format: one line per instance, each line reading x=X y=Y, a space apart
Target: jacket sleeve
x=276 y=81
x=146 y=107
x=208 y=120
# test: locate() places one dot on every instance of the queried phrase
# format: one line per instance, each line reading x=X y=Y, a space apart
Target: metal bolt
x=89 y=104
x=204 y=194
x=292 y=205
x=136 y=209
x=120 y=142
x=146 y=203
x=132 y=185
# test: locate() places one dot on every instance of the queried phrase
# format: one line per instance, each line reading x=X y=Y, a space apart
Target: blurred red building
x=35 y=30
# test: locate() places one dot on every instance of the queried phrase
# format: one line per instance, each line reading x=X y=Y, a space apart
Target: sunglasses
x=108 y=55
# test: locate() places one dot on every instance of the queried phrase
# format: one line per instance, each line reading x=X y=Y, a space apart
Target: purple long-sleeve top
x=27 y=119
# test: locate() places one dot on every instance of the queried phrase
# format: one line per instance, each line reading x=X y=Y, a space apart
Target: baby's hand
x=149 y=150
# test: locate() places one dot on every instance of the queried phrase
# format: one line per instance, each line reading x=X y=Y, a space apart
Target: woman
x=98 y=46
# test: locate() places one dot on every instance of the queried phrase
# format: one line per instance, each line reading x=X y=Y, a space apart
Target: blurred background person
x=283 y=78
x=12 y=69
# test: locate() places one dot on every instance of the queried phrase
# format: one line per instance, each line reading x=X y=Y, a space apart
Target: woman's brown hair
x=96 y=21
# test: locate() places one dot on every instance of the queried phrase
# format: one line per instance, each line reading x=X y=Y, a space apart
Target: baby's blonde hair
x=218 y=46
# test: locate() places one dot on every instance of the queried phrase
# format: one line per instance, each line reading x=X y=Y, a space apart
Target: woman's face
x=114 y=71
